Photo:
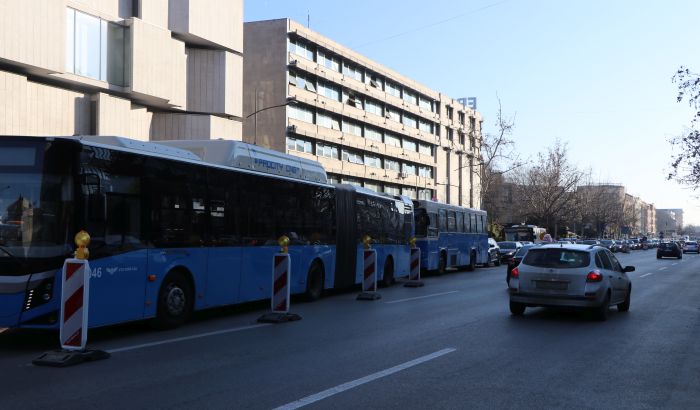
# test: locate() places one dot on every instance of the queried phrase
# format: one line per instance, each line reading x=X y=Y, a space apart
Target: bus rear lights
x=594 y=276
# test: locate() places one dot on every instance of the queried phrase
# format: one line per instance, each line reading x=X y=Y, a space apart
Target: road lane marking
x=665 y=267
x=647 y=274
x=182 y=339
x=674 y=264
x=421 y=297
x=358 y=382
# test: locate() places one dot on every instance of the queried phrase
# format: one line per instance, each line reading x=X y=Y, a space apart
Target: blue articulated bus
x=179 y=226
x=450 y=236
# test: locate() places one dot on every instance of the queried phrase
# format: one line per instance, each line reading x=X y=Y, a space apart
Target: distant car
x=508 y=249
x=621 y=246
x=691 y=246
x=608 y=243
x=634 y=244
x=579 y=276
x=669 y=249
x=589 y=242
x=494 y=253
x=517 y=258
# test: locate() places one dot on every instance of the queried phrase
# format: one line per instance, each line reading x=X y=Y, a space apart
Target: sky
x=593 y=74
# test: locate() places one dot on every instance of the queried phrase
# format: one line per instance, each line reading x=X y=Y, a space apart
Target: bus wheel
x=442 y=263
x=472 y=261
x=175 y=301
x=314 y=283
x=388 y=278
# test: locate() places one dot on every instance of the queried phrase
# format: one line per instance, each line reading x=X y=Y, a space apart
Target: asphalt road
x=449 y=345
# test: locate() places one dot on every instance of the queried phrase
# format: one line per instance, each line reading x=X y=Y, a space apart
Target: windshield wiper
x=19 y=261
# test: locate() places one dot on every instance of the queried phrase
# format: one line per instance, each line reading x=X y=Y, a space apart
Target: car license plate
x=551 y=285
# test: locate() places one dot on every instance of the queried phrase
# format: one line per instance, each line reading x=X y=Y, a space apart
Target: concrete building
x=145 y=69
x=367 y=125
x=669 y=221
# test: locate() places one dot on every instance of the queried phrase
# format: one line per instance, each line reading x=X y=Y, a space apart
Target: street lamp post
x=290 y=101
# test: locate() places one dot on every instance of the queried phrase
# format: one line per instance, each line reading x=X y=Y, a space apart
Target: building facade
x=307 y=95
x=144 y=69
x=669 y=221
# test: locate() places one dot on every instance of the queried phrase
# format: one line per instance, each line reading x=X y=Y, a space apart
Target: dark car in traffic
x=669 y=249
x=508 y=249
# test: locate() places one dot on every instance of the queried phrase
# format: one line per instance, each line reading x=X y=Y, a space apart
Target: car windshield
x=607 y=242
x=507 y=245
x=557 y=258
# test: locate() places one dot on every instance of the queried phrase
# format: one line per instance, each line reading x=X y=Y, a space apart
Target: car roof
x=574 y=247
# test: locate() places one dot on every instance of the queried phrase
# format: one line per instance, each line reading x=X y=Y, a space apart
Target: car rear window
x=507 y=245
x=557 y=258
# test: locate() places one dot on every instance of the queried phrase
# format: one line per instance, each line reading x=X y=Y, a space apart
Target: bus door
x=346 y=238
x=224 y=258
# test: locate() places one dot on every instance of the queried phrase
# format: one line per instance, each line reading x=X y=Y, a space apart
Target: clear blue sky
x=595 y=74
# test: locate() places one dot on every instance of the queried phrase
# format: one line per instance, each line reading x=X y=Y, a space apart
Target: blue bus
x=179 y=226
x=450 y=236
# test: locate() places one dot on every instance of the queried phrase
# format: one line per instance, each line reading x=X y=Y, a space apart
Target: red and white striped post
x=414 y=273
x=369 y=276
x=281 y=277
x=75 y=300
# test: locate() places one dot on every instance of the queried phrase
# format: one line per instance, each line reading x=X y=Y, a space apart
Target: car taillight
x=515 y=273
x=594 y=276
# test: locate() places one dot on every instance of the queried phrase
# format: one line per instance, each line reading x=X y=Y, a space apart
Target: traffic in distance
x=181 y=226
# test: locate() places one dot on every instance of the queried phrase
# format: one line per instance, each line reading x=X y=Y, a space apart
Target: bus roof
x=232 y=154
x=433 y=205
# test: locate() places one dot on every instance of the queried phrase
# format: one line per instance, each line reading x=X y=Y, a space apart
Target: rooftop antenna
x=308 y=19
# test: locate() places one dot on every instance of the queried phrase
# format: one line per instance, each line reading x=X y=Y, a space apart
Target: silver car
x=691 y=246
x=581 y=276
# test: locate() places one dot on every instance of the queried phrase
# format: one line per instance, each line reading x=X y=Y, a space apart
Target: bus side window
x=460 y=222
x=472 y=223
x=442 y=220
x=451 y=226
x=433 y=223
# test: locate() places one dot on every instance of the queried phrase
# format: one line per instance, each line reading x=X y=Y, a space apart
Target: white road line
x=647 y=274
x=664 y=268
x=358 y=382
x=182 y=339
x=674 y=264
x=421 y=297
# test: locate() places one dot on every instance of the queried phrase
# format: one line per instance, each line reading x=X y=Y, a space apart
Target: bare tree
x=685 y=166
x=498 y=157
x=547 y=189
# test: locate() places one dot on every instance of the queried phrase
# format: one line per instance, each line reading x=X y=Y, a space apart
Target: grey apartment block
x=366 y=124
x=144 y=69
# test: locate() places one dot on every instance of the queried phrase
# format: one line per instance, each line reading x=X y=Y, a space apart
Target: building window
x=410 y=121
x=391 y=139
x=373 y=161
x=373 y=134
x=410 y=145
x=392 y=190
x=409 y=192
x=353 y=157
x=450 y=134
x=329 y=90
x=425 y=126
x=426 y=104
x=354 y=100
x=391 y=164
x=352 y=127
x=299 y=145
x=351 y=181
x=425 y=194
x=393 y=89
x=374 y=107
x=461 y=118
x=375 y=81
x=410 y=97
x=409 y=169
x=450 y=111
x=301 y=48
x=393 y=114
x=302 y=81
x=461 y=137
x=301 y=114
x=425 y=172
x=328 y=61
x=373 y=186
x=328 y=151
x=352 y=71
x=327 y=121
x=425 y=149
x=96 y=48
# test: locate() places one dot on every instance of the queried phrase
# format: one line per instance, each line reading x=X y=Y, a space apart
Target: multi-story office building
x=307 y=95
x=145 y=69
x=669 y=221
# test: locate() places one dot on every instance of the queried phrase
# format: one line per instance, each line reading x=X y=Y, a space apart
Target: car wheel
x=314 y=283
x=603 y=311
x=625 y=306
x=442 y=264
x=658 y=256
x=517 y=309
x=175 y=301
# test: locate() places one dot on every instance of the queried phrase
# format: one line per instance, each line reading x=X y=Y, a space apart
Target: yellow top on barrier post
x=412 y=242
x=284 y=243
x=366 y=241
x=82 y=240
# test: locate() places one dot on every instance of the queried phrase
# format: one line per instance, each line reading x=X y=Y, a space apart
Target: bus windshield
x=35 y=210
